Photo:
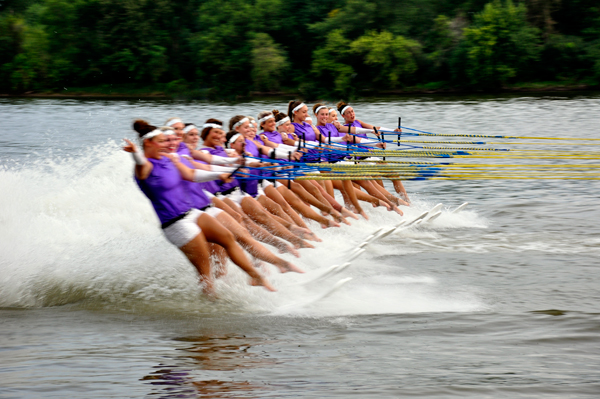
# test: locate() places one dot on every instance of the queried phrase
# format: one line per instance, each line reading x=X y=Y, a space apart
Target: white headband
x=345 y=109
x=332 y=109
x=319 y=108
x=211 y=125
x=151 y=134
x=167 y=132
x=233 y=139
x=174 y=121
x=281 y=122
x=298 y=107
x=240 y=122
x=188 y=128
x=266 y=118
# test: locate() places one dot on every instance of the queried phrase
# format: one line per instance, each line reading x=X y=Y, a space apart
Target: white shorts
x=237 y=196
x=184 y=230
x=267 y=183
x=213 y=211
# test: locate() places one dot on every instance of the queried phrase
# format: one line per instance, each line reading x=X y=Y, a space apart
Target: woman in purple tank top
x=214 y=140
x=350 y=194
x=275 y=190
x=200 y=201
x=188 y=228
x=347 y=112
x=298 y=111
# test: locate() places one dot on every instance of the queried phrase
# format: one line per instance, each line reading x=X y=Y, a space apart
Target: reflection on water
x=193 y=375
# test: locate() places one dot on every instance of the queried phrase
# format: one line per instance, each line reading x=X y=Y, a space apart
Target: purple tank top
x=210 y=186
x=356 y=124
x=165 y=189
x=252 y=148
x=304 y=130
x=219 y=151
x=330 y=129
x=274 y=137
x=196 y=190
x=183 y=149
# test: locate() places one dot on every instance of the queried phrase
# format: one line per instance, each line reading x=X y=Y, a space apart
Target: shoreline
x=256 y=94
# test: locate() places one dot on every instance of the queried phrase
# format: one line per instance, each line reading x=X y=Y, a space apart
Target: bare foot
x=288 y=249
x=303 y=244
x=398 y=211
x=347 y=213
x=387 y=206
x=261 y=281
x=286 y=266
x=330 y=223
x=300 y=231
x=312 y=237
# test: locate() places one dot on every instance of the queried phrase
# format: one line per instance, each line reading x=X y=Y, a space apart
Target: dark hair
x=228 y=137
x=206 y=130
x=293 y=104
x=278 y=115
x=235 y=120
x=317 y=105
x=143 y=127
x=340 y=106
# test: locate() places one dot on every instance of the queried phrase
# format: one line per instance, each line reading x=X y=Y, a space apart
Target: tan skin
x=241 y=234
x=272 y=193
x=287 y=133
x=196 y=250
x=349 y=117
x=349 y=192
x=323 y=202
x=191 y=139
x=252 y=208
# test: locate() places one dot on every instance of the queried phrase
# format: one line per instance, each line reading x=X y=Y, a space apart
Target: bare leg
x=329 y=187
x=272 y=193
x=349 y=190
x=307 y=197
x=399 y=187
x=315 y=191
x=374 y=190
x=218 y=254
x=215 y=232
x=298 y=227
x=197 y=253
x=253 y=246
x=304 y=209
x=263 y=235
x=389 y=196
x=225 y=207
x=336 y=205
x=273 y=207
x=259 y=215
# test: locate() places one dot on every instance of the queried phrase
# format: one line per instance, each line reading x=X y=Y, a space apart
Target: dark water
x=500 y=300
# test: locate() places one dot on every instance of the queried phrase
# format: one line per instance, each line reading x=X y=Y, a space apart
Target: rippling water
x=500 y=300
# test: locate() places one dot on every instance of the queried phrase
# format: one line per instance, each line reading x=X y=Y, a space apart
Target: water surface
x=500 y=300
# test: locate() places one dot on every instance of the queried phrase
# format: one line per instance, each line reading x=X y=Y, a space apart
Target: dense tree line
x=321 y=47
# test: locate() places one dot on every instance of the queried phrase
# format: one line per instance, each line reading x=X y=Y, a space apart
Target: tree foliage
x=338 y=47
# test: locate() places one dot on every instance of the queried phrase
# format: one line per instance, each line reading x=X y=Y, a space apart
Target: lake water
x=500 y=300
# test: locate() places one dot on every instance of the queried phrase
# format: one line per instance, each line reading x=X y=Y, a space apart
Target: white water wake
x=78 y=231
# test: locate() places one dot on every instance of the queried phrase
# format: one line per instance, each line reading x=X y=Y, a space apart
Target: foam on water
x=78 y=231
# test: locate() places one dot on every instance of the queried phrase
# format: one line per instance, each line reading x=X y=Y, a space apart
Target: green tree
x=393 y=57
x=330 y=62
x=268 y=62
x=497 y=47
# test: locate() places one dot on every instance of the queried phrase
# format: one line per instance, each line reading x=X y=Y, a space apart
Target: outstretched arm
x=143 y=167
